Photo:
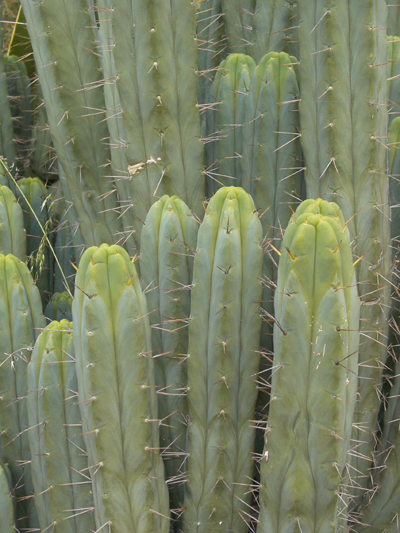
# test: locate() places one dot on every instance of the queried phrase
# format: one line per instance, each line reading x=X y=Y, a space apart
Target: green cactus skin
x=20 y=96
x=380 y=510
x=225 y=119
x=271 y=161
x=394 y=176
x=59 y=462
x=224 y=333
x=69 y=71
x=343 y=115
x=168 y=245
x=42 y=153
x=393 y=18
x=133 y=212
x=7 y=501
x=314 y=386
x=239 y=21
x=12 y=231
x=117 y=395
x=22 y=320
x=211 y=46
x=33 y=204
x=155 y=56
x=275 y=28
x=59 y=307
x=271 y=164
x=393 y=76
x=7 y=146
x=65 y=252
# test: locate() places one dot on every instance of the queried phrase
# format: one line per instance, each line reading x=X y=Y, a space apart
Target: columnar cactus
x=223 y=363
x=7 y=501
x=7 y=146
x=168 y=246
x=343 y=115
x=275 y=28
x=33 y=198
x=117 y=395
x=156 y=64
x=393 y=77
x=68 y=66
x=12 y=231
x=60 y=476
x=238 y=16
x=271 y=161
x=22 y=321
x=59 y=307
x=225 y=120
x=314 y=383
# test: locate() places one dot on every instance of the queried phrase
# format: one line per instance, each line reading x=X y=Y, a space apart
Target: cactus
x=59 y=307
x=275 y=28
x=168 y=244
x=69 y=68
x=7 y=146
x=239 y=21
x=22 y=320
x=156 y=63
x=59 y=462
x=65 y=253
x=271 y=160
x=314 y=386
x=393 y=18
x=12 y=231
x=343 y=115
x=211 y=45
x=225 y=118
x=19 y=94
x=7 y=501
x=119 y=412
x=393 y=77
x=223 y=361
x=34 y=198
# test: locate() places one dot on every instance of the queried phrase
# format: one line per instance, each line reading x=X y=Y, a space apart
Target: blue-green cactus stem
x=393 y=18
x=314 y=383
x=343 y=115
x=133 y=212
x=380 y=507
x=223 y=362
x=117 y=394
x=7 y=146
x=7 y=501
x=275 y=28
x=239 y=23
x=393 y=77
x=225 y=119
x=60 y=477
x=155 y=56
x=59 y=307
x=22 y=321
x=12 y=230
x=20 y=96
x=211 y=46
x=66 y=254
x=168 y=246
x=34 y=200
x=68 y=66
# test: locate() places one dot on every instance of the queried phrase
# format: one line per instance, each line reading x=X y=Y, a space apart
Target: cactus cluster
x=199 y=283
